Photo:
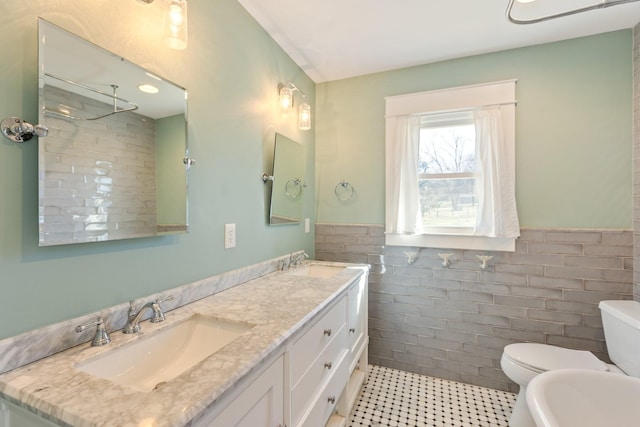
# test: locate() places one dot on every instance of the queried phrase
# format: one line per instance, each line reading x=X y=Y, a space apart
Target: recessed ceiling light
x=148 y=88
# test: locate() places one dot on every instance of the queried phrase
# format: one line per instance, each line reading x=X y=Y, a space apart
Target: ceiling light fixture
x=285 y=92
x=601 y=5
x=175 y=25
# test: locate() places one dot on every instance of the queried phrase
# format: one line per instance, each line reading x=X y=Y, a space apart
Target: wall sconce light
x=286 y=98
x=285 y=91
x=304 y=116
x=175 y=25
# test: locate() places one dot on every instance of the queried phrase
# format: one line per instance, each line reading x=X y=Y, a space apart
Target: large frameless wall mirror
x=289 y=167
x=115 y=162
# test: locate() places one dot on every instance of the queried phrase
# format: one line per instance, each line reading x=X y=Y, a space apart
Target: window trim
x=464 y=98
x=451 y=241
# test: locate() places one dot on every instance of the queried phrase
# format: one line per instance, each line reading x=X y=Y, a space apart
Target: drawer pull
x=331 y=399
x=328 y=365
x=352 y=330
x=327 y=332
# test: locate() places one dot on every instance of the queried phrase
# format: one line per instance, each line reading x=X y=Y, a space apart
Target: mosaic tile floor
x=402 y=399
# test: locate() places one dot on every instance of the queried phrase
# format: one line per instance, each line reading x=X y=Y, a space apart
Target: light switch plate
x=307 y=225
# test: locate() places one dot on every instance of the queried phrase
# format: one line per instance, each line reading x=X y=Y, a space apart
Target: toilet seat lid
x=545 y=357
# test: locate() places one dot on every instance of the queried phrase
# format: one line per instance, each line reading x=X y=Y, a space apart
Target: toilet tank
x=621 y=322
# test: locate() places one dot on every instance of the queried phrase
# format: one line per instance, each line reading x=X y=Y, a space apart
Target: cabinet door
x=357 y=318
x=260 y=405
x=14 y=416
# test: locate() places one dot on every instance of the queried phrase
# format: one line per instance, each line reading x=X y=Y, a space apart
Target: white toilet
x=523 y=361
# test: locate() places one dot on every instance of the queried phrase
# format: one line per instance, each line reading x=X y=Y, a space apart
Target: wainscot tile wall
x=86 y=172
x=453 y=322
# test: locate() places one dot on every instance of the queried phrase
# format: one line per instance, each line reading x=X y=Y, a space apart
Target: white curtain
x=402 y=178
x=495 y=167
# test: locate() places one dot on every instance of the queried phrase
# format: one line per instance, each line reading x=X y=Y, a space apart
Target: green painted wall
x=574 y=131
x=231 y=70
x=171 y=173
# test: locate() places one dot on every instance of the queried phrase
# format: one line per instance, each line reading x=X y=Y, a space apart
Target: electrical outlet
x=229 y=236
x=307 y=225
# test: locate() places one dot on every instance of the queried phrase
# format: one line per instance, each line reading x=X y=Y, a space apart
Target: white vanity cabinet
x=301 y=364
x=334 y=369
x=14 y=416
x=357 y=320
x=318 y=363
x=261 y=404
x=358 y=340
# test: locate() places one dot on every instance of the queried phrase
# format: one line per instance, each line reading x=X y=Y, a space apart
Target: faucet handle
x=160 y=300
x=132 y=308
x=101 y=337
x=158 y=314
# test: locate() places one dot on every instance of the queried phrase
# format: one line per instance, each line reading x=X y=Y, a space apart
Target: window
x=446 y=177
x=451 y=168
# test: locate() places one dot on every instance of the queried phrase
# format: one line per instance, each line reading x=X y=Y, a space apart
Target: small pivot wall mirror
x=17 y=130
x=289 y=168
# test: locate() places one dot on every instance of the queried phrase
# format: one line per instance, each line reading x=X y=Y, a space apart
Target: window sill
x=452 y=242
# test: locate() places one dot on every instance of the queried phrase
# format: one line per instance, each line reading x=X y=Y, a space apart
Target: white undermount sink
x=152 y=360
x=316 y=270
x=584 y=398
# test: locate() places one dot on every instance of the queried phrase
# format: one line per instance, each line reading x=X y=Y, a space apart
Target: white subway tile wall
x=453 y=322
x=96 y=187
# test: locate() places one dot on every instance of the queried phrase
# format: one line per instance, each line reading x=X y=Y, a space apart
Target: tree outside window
x=446 y=165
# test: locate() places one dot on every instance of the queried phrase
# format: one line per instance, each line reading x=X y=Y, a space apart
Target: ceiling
x=336 y=39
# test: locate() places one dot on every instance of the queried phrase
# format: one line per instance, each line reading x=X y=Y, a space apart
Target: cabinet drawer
x=327 y=399
x=316 y=339
x=318 y=374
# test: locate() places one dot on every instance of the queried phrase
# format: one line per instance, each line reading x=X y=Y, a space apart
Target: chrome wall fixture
x=286 y=101
x=601 y=5
x=344 y=190
x=17 y=130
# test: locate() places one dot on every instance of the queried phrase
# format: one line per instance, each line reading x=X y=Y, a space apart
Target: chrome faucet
x=133 y=323
x=101 y=337
x=295 y=261
x=284 y=264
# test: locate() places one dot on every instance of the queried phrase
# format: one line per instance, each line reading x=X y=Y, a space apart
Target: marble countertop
x=278 y=304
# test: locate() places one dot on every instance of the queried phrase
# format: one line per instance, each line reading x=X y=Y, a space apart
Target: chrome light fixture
x=17 y=130
x=286 y=101
x=175 y=25
x=600 y=5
